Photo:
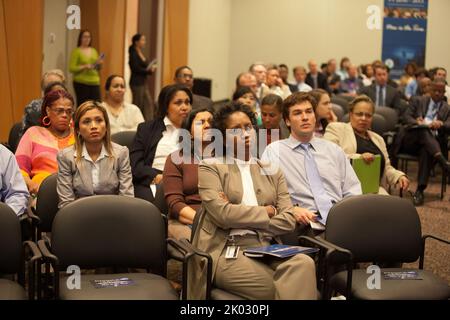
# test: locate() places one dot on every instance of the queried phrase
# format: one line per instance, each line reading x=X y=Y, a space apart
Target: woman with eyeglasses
x=246 y=204
x=180 y=177
x=157 y=139
x=93 y=165
x=38 y=147
x=358 y=141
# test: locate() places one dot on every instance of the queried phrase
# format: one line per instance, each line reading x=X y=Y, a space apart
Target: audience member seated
x=367 y=74
x=13 y=191
x=37 y=150
x=272 y=119
x=93 y=165
x=259 y=70
x=245 y=206
x=411 y=88
x=427 y=125
x=180 y=177
x=247 y=79
x=300 y=78
x=275 y=84
x=32 y=111
x=441 y=73
x=351 y=85
x=381 y=92
x=185 y=76
x=245 y=95
x=343 y=71
x=317 y=171
x=123 y=116
x=157 y=139
x=408 y=76
x=358 y=141
x=284 y=73
x=324 y=111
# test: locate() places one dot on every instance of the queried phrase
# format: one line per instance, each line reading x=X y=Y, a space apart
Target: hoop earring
x=46 y=121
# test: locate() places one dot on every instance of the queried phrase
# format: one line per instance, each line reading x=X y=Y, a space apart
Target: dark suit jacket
x=143 y=151
x=392 y=99
x=321 y=81
x=418 y=108
x=199 y=102
x=293 y=87
x=138 y=68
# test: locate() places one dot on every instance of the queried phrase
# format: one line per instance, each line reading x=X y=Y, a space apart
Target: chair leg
x=443 y=183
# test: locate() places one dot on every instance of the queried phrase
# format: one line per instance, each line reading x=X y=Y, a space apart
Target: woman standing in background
x=140 y=69
x=84 y=64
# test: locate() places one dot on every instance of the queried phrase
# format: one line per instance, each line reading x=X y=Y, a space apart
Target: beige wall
x=291 y=32
x=438 y=39
x=209 y=43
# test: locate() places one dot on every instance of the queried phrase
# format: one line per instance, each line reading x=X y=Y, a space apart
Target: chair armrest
x=35 y=220
x=424 y=239
x=178 y=250
x=34 y=250
x=42 y=245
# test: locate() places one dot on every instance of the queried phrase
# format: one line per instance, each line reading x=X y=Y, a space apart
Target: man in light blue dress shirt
x=13 y=190
x=334 y=176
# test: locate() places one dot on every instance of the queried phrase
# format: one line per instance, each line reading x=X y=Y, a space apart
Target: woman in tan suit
x=94 y=165
x=358 y=141
x=246 y=205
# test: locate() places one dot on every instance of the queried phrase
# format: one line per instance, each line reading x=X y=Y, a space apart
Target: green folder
x=368 y=174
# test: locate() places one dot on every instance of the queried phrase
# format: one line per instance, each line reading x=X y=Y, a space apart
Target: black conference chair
x=124 y=138
x=46 y=206
x=377 y=229
x=13 y=255
x=110 y=232
x=341 y=102
x=378 y=123
x=14 y=138
x=160 y=200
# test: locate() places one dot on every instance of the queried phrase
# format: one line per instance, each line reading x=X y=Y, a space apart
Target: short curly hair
x=222 y=115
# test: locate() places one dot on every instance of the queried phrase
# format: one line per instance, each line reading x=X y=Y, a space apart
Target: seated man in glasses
x=185 y=76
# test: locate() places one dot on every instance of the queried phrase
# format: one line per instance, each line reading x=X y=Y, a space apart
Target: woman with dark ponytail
x=140 y=69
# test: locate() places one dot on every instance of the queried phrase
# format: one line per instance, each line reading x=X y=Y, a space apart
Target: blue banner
x=404 y=34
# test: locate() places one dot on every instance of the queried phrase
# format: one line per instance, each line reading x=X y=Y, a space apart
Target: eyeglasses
x=363 y=114
x=61 y=111
x=240 y=131
x=186 y=76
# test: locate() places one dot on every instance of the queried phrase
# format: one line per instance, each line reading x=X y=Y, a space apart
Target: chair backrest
x=124 y=138
x=376 y=228
x=340 y=101
x=14 y=136
x=390 y=115
x=338 y=111
x=160 y=200
x=110 y=230
x=47 y=203
x=10 y=241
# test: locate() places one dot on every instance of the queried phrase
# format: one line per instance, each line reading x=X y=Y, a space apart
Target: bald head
x=247 y=79
x=312 y=66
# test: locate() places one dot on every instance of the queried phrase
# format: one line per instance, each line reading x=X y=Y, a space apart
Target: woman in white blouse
x=123 y=116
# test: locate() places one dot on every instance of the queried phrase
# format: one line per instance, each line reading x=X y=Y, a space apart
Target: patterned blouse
x=37 y=150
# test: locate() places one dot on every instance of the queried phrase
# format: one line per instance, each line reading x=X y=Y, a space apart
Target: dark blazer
x=293 y=87
x=138 y=68
x=392 y=99
x=418 y=107
x=199 y=102
x=321 y=81
x=143 y=151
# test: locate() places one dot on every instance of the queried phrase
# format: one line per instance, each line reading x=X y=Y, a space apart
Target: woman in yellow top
x=84 y=64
